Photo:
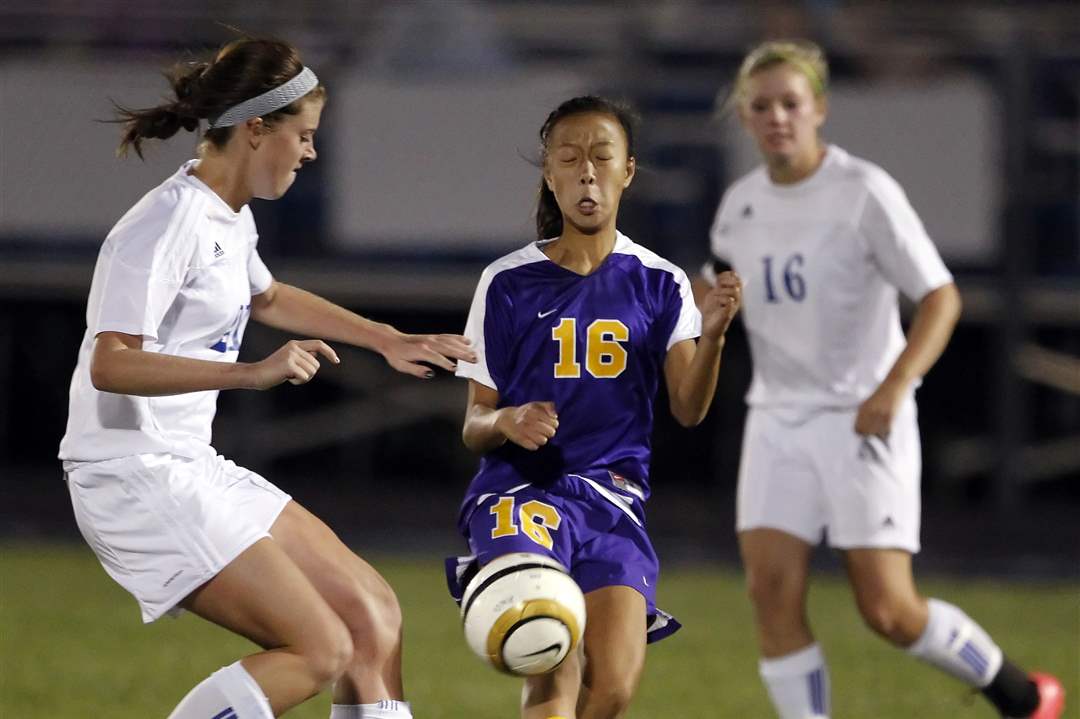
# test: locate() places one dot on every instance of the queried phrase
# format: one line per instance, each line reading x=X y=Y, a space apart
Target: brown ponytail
x=549 y=222
x=163 y=121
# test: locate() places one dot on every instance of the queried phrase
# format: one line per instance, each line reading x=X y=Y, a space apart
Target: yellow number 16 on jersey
x=605 y=358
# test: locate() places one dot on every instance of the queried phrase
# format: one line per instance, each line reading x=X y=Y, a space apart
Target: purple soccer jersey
x=594 y=345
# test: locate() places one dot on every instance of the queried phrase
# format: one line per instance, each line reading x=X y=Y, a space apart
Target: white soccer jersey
x=821 y=262
x=180 y=269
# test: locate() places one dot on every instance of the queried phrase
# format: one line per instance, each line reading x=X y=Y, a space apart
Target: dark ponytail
x=241 y=70
x=548 y=215
x=549 y=219
x=163 y=121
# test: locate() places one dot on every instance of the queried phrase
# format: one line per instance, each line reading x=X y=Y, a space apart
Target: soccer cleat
x=1051 y=696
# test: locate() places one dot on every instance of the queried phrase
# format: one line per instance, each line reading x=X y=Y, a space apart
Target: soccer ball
x=523 y=613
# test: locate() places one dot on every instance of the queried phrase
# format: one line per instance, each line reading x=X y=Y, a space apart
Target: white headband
x=269 y=101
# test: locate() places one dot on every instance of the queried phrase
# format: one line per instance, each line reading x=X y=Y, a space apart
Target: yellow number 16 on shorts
x=535 y=518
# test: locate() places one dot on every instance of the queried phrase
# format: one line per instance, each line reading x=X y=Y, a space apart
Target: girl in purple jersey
x=831 y=443
x=573 y=334
x=173 y=522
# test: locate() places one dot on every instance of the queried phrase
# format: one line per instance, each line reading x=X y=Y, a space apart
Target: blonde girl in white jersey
x=824 y=241
x=177 y=525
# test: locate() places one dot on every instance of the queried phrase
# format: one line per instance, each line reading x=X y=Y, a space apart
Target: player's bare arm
x=120 y=365
x=292 y=309
x=932 y=326
x=530 y=425
x=691 y=369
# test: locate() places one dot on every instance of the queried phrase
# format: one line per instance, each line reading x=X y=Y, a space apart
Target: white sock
x=386 y=709
x=798 y=683
x=228 y=693
x=954 y=643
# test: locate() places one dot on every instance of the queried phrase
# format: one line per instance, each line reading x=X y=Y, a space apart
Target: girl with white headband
x=173 y=522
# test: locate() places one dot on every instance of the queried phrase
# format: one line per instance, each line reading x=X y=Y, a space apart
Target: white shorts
x=163 y=525
x=813 y=475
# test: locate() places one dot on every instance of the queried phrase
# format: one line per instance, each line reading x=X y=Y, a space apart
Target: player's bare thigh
x=356 y=591
x=332 y=567
x=263 y=595
x=776 y=563
x=777 y=566
x=614 y=650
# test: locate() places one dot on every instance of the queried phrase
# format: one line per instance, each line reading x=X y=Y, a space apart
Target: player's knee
x=373 y=614
x=387 y=608
x=610 y=698
x=771 y=591
x=885 y=618
x=612 y=682
x=387 y=620
x=328 y=651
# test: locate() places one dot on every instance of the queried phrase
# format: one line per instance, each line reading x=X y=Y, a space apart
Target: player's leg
x=371 y=685
x=874 y=517
x=263 y=596
x=885 y=593
x=614 y=651
x=935 y=631
x=554 y=695
x=780 y=516
x=193 y=533
x=614 y=563
x=792 y=664
x=776 y=565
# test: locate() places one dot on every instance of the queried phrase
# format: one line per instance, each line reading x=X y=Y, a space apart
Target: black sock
x=1012 y=692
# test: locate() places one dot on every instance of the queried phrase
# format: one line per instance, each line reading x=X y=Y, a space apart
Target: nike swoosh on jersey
x=542 y=315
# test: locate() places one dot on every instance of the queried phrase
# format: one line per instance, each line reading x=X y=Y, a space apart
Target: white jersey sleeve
x=688 y=324
x=490 y=313
x=718 y=248
x=474 y=331
x=142 y=268
x=258 y=275
x=680 y=312
x=897 y=240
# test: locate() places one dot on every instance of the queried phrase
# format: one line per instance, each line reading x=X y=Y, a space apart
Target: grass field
x=72 y=645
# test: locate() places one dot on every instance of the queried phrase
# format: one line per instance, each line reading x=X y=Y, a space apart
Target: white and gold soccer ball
x=523 y=613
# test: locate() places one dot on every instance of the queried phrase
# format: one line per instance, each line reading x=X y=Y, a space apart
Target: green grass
x=72 y=645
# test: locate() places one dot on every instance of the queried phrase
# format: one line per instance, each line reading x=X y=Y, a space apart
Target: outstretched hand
x=530 y=425
x=296 y=362
x=720 y=305
x=405 y=353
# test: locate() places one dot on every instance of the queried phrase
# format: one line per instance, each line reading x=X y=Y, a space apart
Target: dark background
x=379 y=455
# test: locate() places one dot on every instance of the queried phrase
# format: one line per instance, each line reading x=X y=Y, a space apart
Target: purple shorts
x=600 y=539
